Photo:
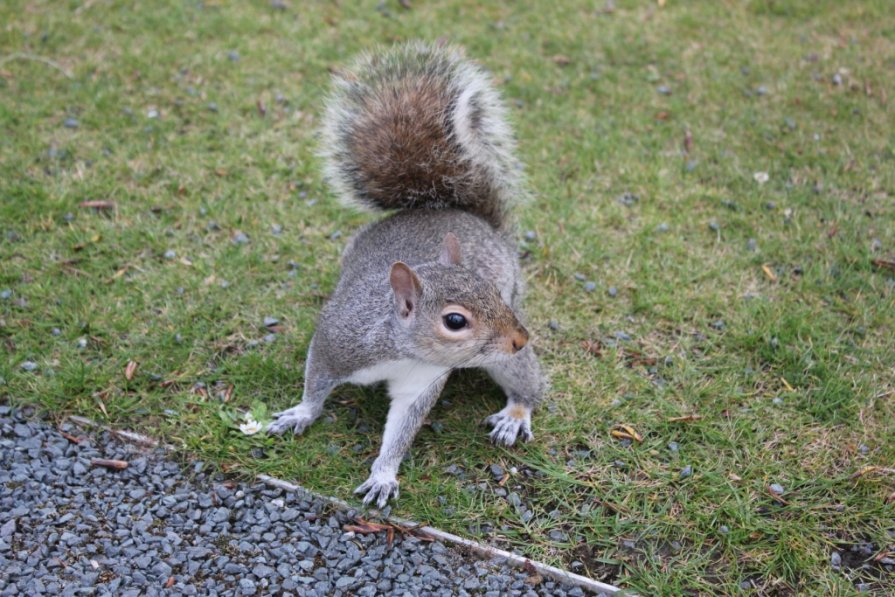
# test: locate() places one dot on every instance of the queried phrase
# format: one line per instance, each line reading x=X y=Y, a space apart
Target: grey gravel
x=160 y=527
x=776 y=488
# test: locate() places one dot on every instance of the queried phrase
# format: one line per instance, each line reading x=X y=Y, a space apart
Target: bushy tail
x=417 y=126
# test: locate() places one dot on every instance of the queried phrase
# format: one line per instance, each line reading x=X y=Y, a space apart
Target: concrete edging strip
x=485 y=551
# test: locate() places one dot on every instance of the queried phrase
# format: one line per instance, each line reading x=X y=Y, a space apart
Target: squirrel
x=437 y=285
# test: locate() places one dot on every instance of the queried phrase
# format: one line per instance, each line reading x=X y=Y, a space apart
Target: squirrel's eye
x=454 y=321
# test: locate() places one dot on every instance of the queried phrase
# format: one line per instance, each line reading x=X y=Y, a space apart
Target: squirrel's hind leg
x=318 y=385
x=522 y=381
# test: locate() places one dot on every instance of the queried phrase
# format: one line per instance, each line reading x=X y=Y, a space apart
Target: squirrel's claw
x=295 y=419
x=508 y=428
x=378 y=489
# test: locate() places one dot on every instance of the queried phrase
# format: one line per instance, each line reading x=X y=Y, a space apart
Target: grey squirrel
x=437 y=285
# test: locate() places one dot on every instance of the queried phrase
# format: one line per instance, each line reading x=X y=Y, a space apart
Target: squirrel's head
x=453 y=316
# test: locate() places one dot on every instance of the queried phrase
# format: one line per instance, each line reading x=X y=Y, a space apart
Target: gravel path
x=70 y=527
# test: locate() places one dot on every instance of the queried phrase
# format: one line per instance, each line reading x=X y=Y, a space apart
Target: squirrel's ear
x=407 y=288
x=450 y=250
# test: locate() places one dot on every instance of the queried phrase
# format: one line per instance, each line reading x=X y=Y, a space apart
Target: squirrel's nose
x=518 y=339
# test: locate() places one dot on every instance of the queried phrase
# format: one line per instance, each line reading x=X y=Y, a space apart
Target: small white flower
x=761 y=177
x=251 y=426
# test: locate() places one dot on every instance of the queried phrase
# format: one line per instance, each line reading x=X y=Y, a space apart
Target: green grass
x=712 y=334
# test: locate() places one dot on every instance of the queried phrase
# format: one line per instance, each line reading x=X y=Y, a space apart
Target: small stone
x=71 y=123
x=270 y=338
x=622 y=336
x=578 y=276
x=589 y=286
x=276 y=229
x=686 y=472
x=777 y=400
x=5 y=294
x=212 y=107
x=336 y=235
x=8 y=528
x=714 y=226
x=152 y=113
x=247 y=586
x=240 y=238
x=497 y=471
x=270 y=321
x=663 y=227
x=837 y=79
x=724 y=529
x=514 y=500
x=761 y=90
x=221 y=515
x=553 y=325
x=752 y=245
x=233 y=56
x=82 y=343
x=664 y=89
x=170 y=254
x=29 y=366
x=531 y=235
x=836 y=560
x=628 y=199
x=718 y=324
x=776 y=489
x=789 y=123
x=613 y=291
x=673 y=446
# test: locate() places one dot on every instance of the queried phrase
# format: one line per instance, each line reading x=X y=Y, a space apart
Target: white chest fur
x=407 y=373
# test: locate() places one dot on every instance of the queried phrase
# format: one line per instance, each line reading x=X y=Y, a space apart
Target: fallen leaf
x=769 y=272
x=884 y=264
x=72 y=438
x=872 y=469
x=734 y=477
x=118 y=465
x=169 y=583
x=130 y=370
x=595 y=347
x=562 y=60
x=98 y=204
x=684 y=419
x=366 y=526
x=626 y=432
x=534 y=580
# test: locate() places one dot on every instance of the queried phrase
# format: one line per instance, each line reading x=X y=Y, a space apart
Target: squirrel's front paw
x=295 y=419
x=510 y=423
x=379 y=488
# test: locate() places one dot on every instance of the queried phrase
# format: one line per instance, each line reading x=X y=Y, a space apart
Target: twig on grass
x=36 y=58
